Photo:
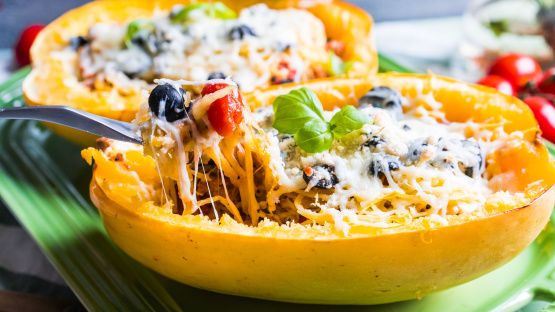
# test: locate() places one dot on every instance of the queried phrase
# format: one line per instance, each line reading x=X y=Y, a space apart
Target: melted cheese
x=400 y=169
x=202 y=46
x=438 y=171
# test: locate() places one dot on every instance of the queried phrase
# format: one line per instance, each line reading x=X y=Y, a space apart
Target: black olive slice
x=382 y=97
x=324 y=175
x=167 y=101
x=240 y=32
x=379 y=166
x=216 y=75
x=78 y=42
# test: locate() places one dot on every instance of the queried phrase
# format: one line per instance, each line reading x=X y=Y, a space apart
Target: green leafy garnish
x=215 y=10
x=300 y=113
x=336 y=65
x=294 y=109
x=135 y=28
x=499 y=27
x=347 y=120
x=315 y=136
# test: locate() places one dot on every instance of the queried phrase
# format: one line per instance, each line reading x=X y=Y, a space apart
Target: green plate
x=44 y=182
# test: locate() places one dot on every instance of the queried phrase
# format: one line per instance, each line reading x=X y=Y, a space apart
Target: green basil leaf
x=221 y=11
x=499 y=27
x=347 y=120
x=336 y=65
x=315 y=136
x=215 y=10
x=135 y=28
x=296 y=108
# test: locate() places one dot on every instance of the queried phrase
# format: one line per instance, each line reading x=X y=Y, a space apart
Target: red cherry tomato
x=544 y=112
x=24 y=43
x=212 y=87
x=547 y=82
x=226 y=113
x=499 y=83
x=518 y=69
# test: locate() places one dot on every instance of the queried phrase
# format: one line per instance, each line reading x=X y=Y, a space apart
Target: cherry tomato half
x=547 y=82
x=226 y=113
x=544 y=112
x=499 y=83
x=23 y=46
x=518 y=69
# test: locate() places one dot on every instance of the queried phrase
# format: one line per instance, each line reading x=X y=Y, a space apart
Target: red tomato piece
x=212 y=87
x=547 y=83
x=499 y=83
x=226 y=113
x=518 y=69
x=545 y=114
x=338 y=47
x=284 y=73
x=23 y=46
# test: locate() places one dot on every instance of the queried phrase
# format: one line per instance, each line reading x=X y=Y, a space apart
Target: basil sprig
x=336 y=65
x=215 y=10
x=315 y=136
x=300 y=113
x=135 y=28
x=347 y=120
x=296 y=108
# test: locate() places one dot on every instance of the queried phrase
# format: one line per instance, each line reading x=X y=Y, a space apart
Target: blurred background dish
x=17 y=14
x=493 y=28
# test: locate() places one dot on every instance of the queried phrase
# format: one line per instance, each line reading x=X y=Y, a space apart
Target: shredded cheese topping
x=409 y=168
x=279 y=46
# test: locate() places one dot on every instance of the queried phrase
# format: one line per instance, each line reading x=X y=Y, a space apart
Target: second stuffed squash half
x=101 y=56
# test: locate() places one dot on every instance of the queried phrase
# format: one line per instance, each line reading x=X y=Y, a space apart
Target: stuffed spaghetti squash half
x=337 y=191
x=100 y=57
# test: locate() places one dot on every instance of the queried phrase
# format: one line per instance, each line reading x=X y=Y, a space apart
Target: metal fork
x=76 y=119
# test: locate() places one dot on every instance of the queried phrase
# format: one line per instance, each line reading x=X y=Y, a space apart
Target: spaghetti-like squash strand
x=228 y=171
x=253 y=203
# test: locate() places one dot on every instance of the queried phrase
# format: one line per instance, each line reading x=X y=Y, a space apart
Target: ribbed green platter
x=44 y=182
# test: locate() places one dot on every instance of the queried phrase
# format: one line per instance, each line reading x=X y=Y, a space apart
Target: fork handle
x=76 y=119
